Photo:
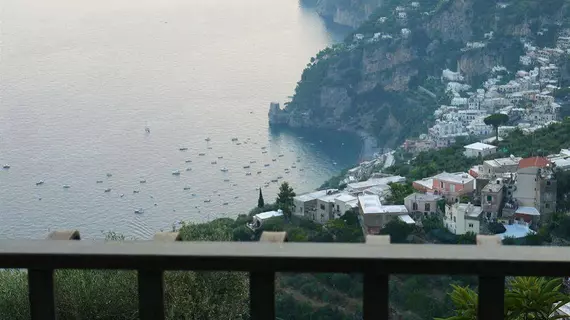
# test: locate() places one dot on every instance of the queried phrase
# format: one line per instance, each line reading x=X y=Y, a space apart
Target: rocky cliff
x=351 y=13
x=369 y=84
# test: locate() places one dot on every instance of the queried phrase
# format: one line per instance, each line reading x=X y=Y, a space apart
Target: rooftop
x=479 y=146
x=423 y=197
x=469 y=209
x=370 y=203
x=268 y=214
x=407 y=219
x=503 y=162
x=313 y=195
x=457 y=177
x=531 y=211
x=426 y=183
x=345 y=197
x=539 y=162
x=375 y=182
x=493 y=186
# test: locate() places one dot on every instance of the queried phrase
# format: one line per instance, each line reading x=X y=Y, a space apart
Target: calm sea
x=81 y=79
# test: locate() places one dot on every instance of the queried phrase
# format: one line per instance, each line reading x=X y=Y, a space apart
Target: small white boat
x=273 y=159
x=207 y=200
x=246 y=167
x=139 y=211
x=108 y=190
x=183 y=149
x=66 y=186
x=188 y=169
x=274 y=180
x=252 y=161
x=234 y=139
x=226 y=180
x=263 y=148
x=6 y=166
x=298 y=160
x=280 y=177
x=209 y=148
x=225 y=203
x=176 y=172
x=263 y=151
x=109 y=175
x=256 y=189
x=220 y=157
x=293 y=166
x=187 y=188
x=258 y=172
x=234 y=185
x=238 y=144
x=214 y=162
x=224 y=169
x=39 y=183
x=301 y=169
x=122 y=195
x=281 y=155
x=266 y=165
x=147 y=129
x=142 y=181
x=201 y=154
x=248 y=173
x=99 y=181
x=208 y=139
x=188 y=161
x=136 y=191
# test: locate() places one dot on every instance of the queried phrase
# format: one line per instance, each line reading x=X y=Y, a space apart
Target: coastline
x=369 y=146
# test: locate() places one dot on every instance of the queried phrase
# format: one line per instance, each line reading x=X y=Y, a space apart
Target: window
x=337 y=208
x=547 y=183
x=322 y=206
x=427 y=207
x=452 y=188
x=470 y=225
x=441 y=184
x=454 y=219
x=546 y=205
x=414 y=206
x=489 y=198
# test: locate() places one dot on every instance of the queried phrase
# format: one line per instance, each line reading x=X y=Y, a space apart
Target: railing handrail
x=286 y=257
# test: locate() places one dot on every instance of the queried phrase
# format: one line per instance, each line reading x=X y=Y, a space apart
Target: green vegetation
x=525 y=298
x=260 y=202
x=285 y=199
x=496 y=120
x=398 y=192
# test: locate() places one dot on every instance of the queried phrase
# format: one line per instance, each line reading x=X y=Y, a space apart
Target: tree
x=399 y=191
x=398 y=231
x=260 y=202
x=525 y=298
x=496 y=120
x=285 y=199
x=496 y=228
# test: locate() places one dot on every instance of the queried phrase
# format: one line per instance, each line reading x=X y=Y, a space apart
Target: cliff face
x=351 y=13
x=370 y=84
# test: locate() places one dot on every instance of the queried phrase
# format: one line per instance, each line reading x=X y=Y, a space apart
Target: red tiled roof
x=539 y=162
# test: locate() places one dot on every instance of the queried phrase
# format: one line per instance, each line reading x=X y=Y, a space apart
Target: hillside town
x=525 y=96
x=519 y=193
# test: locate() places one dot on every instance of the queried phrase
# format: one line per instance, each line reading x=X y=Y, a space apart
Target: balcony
x=376 y=259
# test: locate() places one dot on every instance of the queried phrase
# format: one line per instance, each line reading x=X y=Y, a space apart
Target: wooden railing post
x=42 y=302
x=151 y=295
x=376 y=285
x=262 y=295
x=491 y=288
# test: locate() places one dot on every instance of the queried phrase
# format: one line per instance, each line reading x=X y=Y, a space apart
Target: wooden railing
x=376 y=259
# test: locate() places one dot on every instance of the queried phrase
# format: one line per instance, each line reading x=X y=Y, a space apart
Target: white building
x=479 y=149
x=359 y=187
x=374 y=216
x=461 y=218
x=260 y=218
